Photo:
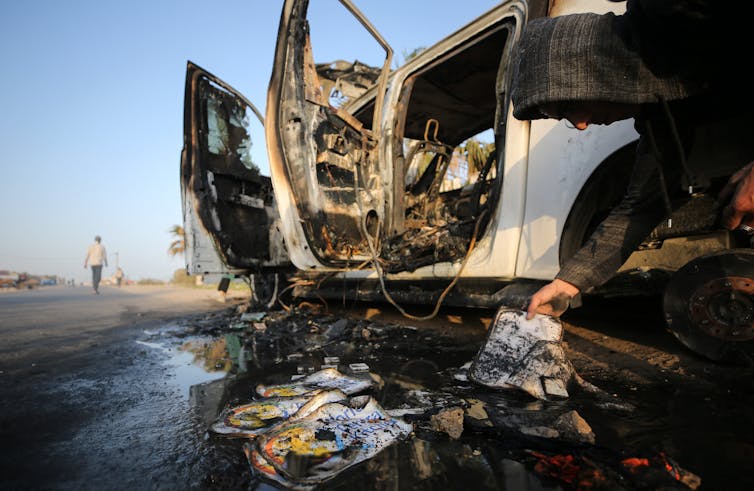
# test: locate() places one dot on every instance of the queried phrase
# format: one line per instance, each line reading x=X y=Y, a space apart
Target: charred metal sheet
x=312 y=86
x=223 y=191
x=348 y=80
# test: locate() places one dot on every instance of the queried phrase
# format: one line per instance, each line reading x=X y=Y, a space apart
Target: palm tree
x=407 y=56
x=178 y=246
x=477 y=153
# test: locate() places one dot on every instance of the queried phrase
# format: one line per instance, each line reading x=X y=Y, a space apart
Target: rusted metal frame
x=228 y=88
x=397 y=220
x=382 y=84
x=375 y=247
x=314 y=94
x=718 y=307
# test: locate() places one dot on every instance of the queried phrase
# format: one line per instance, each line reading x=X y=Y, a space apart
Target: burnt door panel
x=323 y=159
x=225 y=196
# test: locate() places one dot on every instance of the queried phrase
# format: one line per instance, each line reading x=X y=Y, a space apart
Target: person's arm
x=740 y=189
x=627 y=225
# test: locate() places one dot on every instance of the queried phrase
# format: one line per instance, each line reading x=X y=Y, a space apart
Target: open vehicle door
x=332 y=193
x=387 y=177
x=229 y=215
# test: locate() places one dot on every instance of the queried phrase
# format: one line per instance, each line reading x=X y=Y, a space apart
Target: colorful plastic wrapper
x=329 y=378
x=309 y=450
x=254 y=418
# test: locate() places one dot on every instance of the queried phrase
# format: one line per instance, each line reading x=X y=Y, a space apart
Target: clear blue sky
x=91 y=112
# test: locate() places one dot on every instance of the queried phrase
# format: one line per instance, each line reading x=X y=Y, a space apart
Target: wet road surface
x=84 y=405
x=125 y=401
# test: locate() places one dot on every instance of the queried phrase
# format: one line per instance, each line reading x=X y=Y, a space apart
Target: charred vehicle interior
x=449 y=178
x=435 y=198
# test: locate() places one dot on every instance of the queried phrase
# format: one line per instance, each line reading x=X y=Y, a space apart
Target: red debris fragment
x=632 y=464
x=582 y=474
x=638 y=466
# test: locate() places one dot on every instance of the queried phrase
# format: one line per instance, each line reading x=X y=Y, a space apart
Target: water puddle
x=194 y=362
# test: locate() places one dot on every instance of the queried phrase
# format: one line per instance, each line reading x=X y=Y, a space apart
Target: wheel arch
x=602 y=191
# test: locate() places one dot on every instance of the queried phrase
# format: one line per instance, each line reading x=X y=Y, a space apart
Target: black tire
x=709 y=306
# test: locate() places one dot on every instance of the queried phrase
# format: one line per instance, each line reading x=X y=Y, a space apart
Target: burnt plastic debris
x=308 y=431
x=254 y=418
x=308 y=450
x=525 y=354
x=583 y=472
x=329 y=378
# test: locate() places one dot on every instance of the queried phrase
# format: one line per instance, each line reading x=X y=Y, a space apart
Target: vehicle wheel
x=709 y=306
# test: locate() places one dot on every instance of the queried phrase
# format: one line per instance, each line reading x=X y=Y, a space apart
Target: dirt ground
x=114 y=407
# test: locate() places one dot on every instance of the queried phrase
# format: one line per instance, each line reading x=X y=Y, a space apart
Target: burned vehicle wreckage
x=417 y=185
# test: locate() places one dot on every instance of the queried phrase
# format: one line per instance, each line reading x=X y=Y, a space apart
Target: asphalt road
x=84 y=406
x=40 y=327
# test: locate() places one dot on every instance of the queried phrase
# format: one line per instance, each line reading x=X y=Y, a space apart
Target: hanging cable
x=381 y=274
x=693 y=181
x=660 y=173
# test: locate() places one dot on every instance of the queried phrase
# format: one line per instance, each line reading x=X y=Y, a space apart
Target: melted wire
x=381 y=274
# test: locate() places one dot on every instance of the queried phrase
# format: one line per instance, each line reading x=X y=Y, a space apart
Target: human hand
x=552 y=299
x=740 y=210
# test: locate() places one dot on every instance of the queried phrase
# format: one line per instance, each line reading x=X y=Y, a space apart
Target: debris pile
x=331 y=393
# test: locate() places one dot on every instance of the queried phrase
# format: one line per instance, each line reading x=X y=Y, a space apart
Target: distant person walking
x=96 y=256
x=118 y=276
x=222 y=287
